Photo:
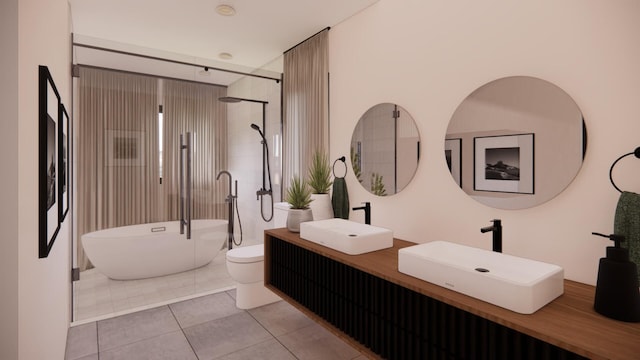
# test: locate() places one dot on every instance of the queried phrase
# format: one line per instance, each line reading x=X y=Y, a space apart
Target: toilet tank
x=280 y=212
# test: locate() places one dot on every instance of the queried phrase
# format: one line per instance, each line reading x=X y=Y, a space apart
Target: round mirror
x=385 y=149
x=515 y=142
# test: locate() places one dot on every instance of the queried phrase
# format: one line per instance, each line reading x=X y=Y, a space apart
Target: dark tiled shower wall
x=392 y=321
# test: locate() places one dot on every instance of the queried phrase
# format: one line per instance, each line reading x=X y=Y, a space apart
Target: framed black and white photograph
x=125 y=148
x=453 y=155
x=48 y=162
x=504 y=163
x=63 y=160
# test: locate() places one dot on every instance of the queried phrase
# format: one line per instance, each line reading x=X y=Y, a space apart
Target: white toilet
x=245 y=265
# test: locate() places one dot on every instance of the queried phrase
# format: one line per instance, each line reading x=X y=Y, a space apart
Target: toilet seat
x=246 y=254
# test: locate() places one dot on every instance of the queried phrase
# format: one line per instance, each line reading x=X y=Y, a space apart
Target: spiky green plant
x=298 y=194
x=320 y=173
x=377 y=185
x=355 y=161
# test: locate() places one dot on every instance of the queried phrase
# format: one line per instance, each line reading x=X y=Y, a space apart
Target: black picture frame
x=504 y=163
x=63 y=160
x=453 y=156
x=48 y=161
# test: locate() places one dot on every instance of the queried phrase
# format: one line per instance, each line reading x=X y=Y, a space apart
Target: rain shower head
x=233 y=99
x=229 y=99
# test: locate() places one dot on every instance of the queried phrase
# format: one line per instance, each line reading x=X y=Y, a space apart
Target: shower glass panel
x=130 y=251
x=193 y=108
x=246 y=153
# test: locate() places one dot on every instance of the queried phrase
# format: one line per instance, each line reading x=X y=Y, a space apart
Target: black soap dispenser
x=617 y=294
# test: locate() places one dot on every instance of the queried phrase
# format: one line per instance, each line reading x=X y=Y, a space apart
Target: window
x=160 y=128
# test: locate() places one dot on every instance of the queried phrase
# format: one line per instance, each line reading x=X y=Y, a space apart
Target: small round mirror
x=385 y=149
x=515 y=142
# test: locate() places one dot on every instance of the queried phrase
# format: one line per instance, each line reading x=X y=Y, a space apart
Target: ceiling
x=192 y=31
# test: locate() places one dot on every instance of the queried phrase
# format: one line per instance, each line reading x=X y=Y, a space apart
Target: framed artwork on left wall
x=48 y=161
x=63 y=160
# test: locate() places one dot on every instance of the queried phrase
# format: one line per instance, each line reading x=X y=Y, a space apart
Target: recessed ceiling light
x=225 y=10
x=225 y=56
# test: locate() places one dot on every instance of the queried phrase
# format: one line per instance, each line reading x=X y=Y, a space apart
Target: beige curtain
x=118 y=175
x=193 y=107
x=305 y=105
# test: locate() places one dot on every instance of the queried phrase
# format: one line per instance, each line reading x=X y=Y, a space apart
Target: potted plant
x=377 y=185
x=355 y=161
x=320 y=183
x=299 y=197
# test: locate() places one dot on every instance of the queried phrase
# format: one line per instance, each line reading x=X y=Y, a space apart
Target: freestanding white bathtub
x=157 y=249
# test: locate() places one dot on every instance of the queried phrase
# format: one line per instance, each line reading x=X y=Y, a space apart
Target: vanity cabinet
x=387 y=314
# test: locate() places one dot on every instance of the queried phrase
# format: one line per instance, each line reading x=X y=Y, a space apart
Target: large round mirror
x=515 y=142
x=385 y=149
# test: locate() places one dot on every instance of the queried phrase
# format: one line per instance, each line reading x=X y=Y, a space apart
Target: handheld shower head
x=257 y=128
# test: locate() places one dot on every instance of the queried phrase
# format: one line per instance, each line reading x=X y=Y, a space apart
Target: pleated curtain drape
x=119 y=179
x=117 y=152
x=305 y=105
x=194 y=108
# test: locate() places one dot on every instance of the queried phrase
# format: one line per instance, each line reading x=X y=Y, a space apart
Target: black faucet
x=367 y=212
x=496 y=228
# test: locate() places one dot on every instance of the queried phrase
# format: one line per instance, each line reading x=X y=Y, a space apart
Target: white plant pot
x=321 y=207
x=297 y=216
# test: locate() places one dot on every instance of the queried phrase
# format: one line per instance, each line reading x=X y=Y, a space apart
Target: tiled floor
x=96 y=295
x=208 y=327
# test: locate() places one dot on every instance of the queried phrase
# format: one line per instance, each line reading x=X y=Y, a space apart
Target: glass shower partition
x=128 y=184
x=127 y=153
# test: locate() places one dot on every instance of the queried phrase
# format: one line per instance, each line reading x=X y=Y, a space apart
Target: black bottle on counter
x=617 y=293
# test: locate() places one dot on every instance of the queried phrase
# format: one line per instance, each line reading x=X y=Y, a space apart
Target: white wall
x=436 y=53
x=44 y=36
x=8 y=191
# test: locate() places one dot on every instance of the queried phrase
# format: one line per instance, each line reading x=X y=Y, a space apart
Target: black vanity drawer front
x=392 y=321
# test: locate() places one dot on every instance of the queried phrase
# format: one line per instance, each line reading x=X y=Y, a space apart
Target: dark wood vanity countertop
x=568 y=322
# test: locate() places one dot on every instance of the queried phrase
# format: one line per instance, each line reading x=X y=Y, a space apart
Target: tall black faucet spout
x=225 y=172
x=496 y=228
x=486 y=229
x=367 y=212
x=230 y=199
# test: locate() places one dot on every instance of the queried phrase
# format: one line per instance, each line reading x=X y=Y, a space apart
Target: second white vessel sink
x=515 y=283
x=349 y=237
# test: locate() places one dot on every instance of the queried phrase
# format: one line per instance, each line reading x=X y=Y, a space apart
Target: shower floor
x=96 y=296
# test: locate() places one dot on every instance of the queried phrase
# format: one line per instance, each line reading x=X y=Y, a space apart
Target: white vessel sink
x=514 y=283
x=346 y=236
